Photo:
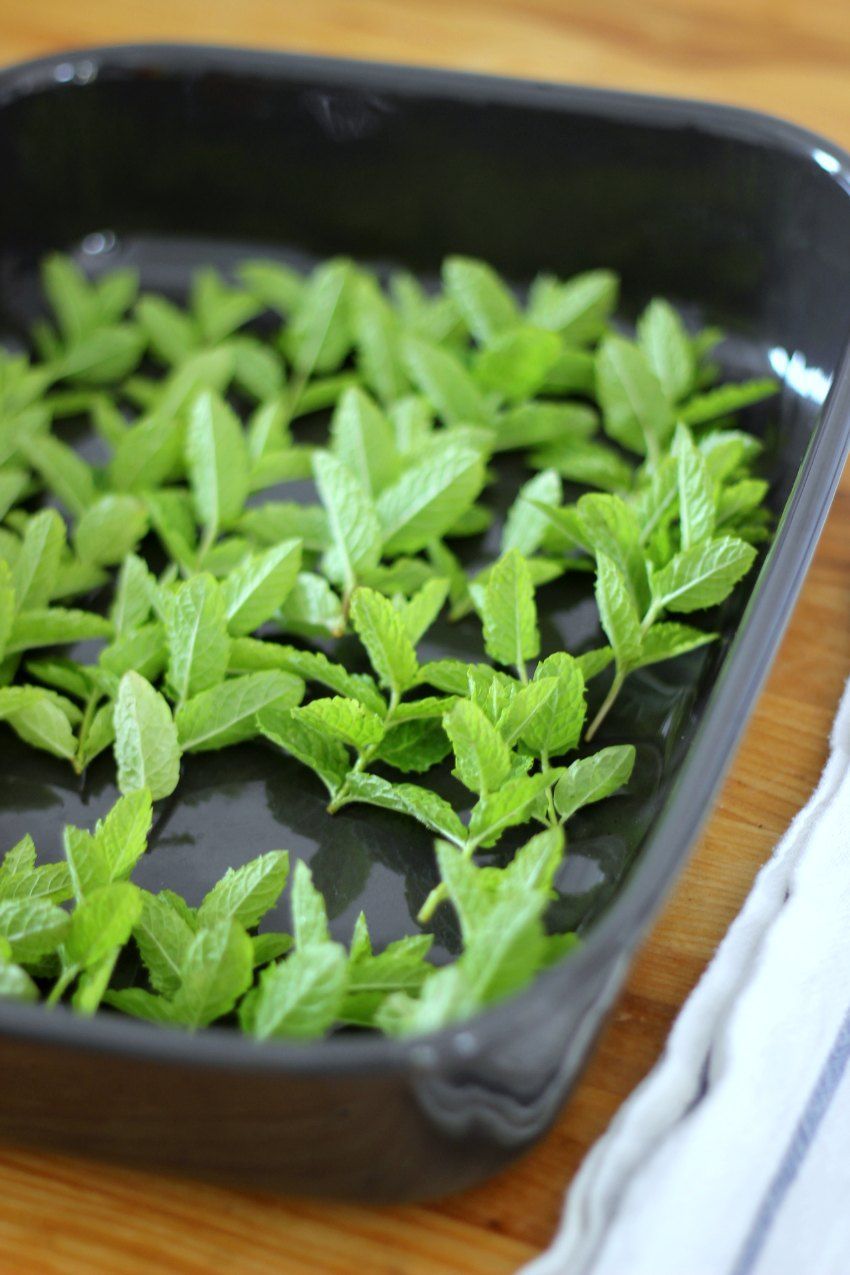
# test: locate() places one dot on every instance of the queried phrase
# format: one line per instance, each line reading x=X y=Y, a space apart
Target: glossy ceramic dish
x=170 y=156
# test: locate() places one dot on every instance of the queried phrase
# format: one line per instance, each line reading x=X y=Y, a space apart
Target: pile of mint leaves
x=172 y=600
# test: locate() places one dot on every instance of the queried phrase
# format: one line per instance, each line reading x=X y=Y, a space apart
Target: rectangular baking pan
x=169 y=156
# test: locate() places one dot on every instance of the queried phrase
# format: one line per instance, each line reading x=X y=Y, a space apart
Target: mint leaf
x=526 y=524
x=146 y=747
x=727 y=399
x=517 y=363
x=617 y=613
x=377 y=335
x=487 y=306
x=227 y=714
x=102 y=922
x=539 y=423
x=482 y=759
x=445 y=381
x=246 y=894
x=344 y=719
x=557 y=725
x=309 y=914
x=198 y=641
x=668 y=349
x=163 y=938
x=362 y=438
x=217 y=460
x=110 y=528
x=608 y=525
x=381 y=630
x=587 y=462
x=311 y=746
x=665 y=641
x=38 y=719
x=498 y=811
x=64 y=473
x=508 y=612
x=415 y=745
x=353 y=522
x=300 y=998
x=419 y=612
x=701 y=576
x=319 y=334
x=696 y=491
x=429 y=497
x=37 y=565
x=517 y=720
x=54 y=626
x=636 y=411
x=409 y=799
x=592 y=778
x=251 y=655
x=276 y=285
x=32 y=927
x=255 y=590
x=578 y=309
x=217 y=969
x=312 y=608
x=446 y=675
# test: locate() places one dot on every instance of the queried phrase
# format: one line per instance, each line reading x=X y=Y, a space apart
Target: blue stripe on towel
x=796 y=1151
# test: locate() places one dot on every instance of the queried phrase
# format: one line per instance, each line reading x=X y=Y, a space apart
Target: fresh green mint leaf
x=482 y=758
x=344 y=719
x=592 y=778
x=618 y=613
x=246 y=894
x=352 y=519
x=217 y=460
x=146 y=746
x=487 y=305
x=300 y=998
x=429 y=497
x=256 y=589
x=668 y=349
x=701 y=576
x=362 y=439
x=636 y=412
x=227 y=714
x=381 y=630
x=196 y=632
x=509 y=613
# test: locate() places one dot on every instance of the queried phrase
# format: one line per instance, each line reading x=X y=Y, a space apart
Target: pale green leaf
x=226 y=714
x=255 y=589
x=482 y=758
x=353 y=522
x=217 y=461
x=701 y=576
x=146 y=746
x=592 y=778
x=247 y=893
x=196 y=632
x=381 y=630
x=509 y=613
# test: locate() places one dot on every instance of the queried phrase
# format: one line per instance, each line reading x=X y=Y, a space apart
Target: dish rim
x=616 y=934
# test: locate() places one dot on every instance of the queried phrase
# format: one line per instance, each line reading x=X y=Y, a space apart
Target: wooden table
x=787 y=56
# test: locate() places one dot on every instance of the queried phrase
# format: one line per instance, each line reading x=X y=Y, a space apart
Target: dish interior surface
x=232 y=805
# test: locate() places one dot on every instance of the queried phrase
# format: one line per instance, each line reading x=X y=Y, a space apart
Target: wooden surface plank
x=65 y=1217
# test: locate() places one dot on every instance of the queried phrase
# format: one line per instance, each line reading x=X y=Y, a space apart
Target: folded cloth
x=733 y=1156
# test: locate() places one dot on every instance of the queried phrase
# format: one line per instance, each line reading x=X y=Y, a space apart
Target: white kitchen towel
x=733 y=1156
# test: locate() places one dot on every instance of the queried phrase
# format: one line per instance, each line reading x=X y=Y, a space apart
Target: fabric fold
x=725 y=1160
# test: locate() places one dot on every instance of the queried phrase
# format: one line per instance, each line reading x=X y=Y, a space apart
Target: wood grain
x=66 y=1217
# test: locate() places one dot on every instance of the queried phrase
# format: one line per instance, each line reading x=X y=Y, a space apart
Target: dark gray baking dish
x=169 y=156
